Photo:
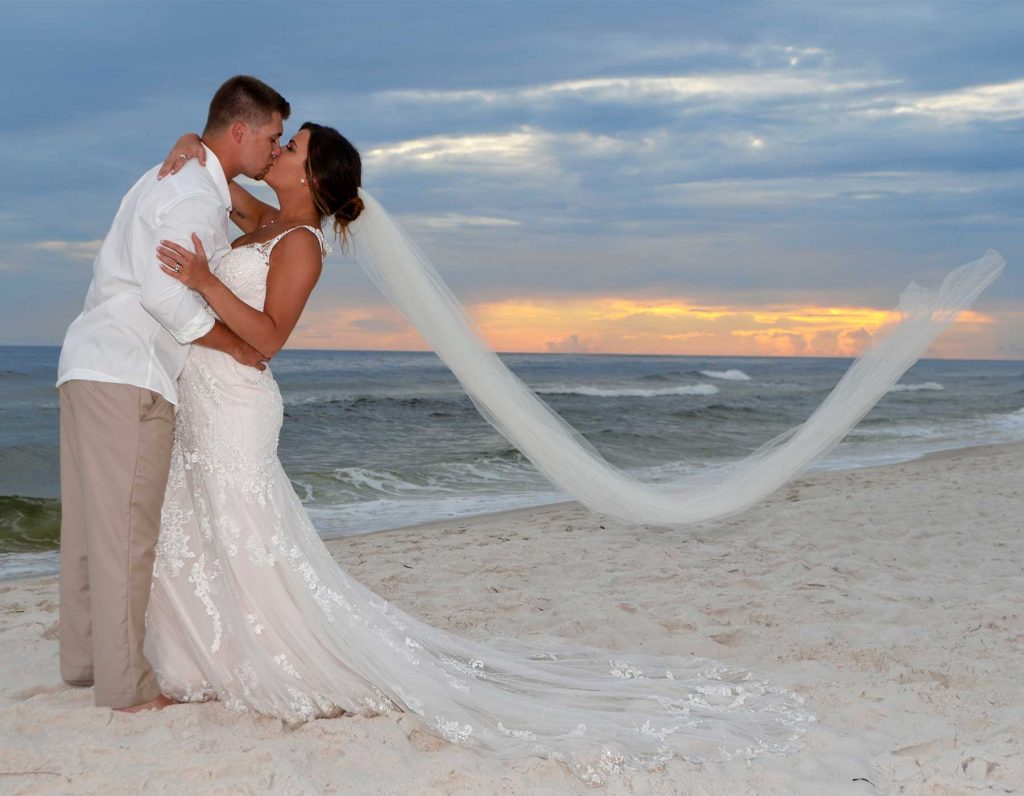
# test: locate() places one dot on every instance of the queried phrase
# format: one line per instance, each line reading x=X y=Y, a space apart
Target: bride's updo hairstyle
x=335 y=172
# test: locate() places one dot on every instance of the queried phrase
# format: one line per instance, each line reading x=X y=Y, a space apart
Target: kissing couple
x=190 y=570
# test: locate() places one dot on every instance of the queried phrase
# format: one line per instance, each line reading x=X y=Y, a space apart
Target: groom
x=117 y=382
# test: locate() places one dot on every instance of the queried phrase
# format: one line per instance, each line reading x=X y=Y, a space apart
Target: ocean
x=375 y=440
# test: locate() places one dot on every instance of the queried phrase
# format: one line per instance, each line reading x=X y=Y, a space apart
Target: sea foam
x=630 y=392
x=927 y=385
x=728 y=375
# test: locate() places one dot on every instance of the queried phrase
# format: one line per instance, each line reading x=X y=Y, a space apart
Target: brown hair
x=335 y=172
x=244 y=99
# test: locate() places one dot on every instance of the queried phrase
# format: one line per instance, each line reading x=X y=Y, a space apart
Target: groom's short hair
x=244 y=99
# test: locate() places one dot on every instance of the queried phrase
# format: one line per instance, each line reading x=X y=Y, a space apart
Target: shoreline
x=889 y=597
x=433 y=525
x=518 y=513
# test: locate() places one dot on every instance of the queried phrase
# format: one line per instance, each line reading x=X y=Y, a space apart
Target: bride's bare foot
x=153 y=704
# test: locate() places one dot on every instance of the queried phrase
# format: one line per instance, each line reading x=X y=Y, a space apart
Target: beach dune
x=891 y=598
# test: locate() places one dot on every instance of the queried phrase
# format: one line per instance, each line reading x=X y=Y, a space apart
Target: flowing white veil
x=405 y=276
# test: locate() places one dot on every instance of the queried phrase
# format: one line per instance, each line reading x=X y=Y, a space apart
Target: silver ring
x=184 y=156
x=176 y=267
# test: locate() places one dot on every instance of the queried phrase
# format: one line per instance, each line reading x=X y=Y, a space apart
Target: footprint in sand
x=731 y=639
x=425 y=742
x=978 y=768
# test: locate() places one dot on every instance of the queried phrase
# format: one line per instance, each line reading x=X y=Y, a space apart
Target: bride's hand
x=192 y=269
x=188 y=146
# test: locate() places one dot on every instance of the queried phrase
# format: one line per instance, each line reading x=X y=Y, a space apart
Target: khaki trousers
x=115 y=452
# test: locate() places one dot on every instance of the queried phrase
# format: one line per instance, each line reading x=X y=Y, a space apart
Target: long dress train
x=248 y=607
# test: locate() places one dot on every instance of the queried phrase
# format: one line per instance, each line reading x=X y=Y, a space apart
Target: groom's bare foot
x=153 y=704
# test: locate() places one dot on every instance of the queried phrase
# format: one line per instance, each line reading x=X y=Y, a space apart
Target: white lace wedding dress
x=248 y=607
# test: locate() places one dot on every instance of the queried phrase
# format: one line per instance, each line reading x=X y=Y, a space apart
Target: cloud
x=494 y=151
x=378 y=325
x=852 y=343
x=455 y=221
x=568 y=345
x=995 y=101
x=751 y=86
x=528 y=148
x=367 y=327
x=785 y=343
x=796 y=55
x=825 y=340
x=72 y=249
x=676 y=325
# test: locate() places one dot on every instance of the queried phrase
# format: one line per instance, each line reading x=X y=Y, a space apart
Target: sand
x=891 y=598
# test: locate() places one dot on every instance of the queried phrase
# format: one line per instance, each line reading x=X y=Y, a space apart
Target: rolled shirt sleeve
x=178 y=308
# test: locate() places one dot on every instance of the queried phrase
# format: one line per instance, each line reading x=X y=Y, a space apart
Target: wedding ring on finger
x=176 y=267
x=184 y=157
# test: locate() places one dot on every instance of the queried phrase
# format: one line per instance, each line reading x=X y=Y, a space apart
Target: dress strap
x=269 y=245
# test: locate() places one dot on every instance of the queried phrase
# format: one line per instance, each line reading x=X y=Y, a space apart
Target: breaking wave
x=630 y=392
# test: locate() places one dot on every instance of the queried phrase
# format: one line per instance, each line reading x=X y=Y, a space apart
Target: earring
x=303 y=180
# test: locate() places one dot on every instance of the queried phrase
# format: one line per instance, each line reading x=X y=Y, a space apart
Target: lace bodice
x=244 y=269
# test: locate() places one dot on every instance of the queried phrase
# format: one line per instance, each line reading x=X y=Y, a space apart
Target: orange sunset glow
x=612 y=325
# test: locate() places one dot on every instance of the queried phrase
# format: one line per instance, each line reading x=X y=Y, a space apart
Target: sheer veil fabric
x=248 y=607
x=406 y=277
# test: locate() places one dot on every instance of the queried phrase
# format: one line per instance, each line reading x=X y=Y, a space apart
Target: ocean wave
x=630 y=392
x=927 y=385
x=29 y=565
x=366 y=479
x=1010 y=421
x=503 y=471
x=29 y=524
x=353 y=519
x=889 y=431
x=365 y=401
x=720 y=411
x=306 y=400
x=728 y=375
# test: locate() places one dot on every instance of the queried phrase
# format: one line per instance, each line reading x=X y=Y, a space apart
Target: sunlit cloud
x=572 y=344
x=499 y=151
x=614 y=325
x=527 y=147
x=991 y=101
x=73 y=249
x=455 y=221
x=370 y=328
x=637 y=90
x=508 y=145
x=679 y=326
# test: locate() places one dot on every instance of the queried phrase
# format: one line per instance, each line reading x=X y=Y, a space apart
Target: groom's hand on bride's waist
x=221 y=338
x=247 y=355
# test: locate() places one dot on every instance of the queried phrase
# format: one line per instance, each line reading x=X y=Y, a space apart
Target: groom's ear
x=237 y=131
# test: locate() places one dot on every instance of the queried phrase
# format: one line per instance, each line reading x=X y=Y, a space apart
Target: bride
x=248 y=606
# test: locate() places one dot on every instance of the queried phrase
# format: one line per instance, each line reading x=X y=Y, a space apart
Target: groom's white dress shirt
x=138 y=321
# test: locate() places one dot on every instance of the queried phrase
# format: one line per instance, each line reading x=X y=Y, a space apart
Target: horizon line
x=586 y=354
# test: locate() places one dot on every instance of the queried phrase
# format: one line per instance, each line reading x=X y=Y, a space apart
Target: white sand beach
x=891 y=598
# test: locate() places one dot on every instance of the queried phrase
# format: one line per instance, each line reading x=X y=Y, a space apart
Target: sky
x=719 y=178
